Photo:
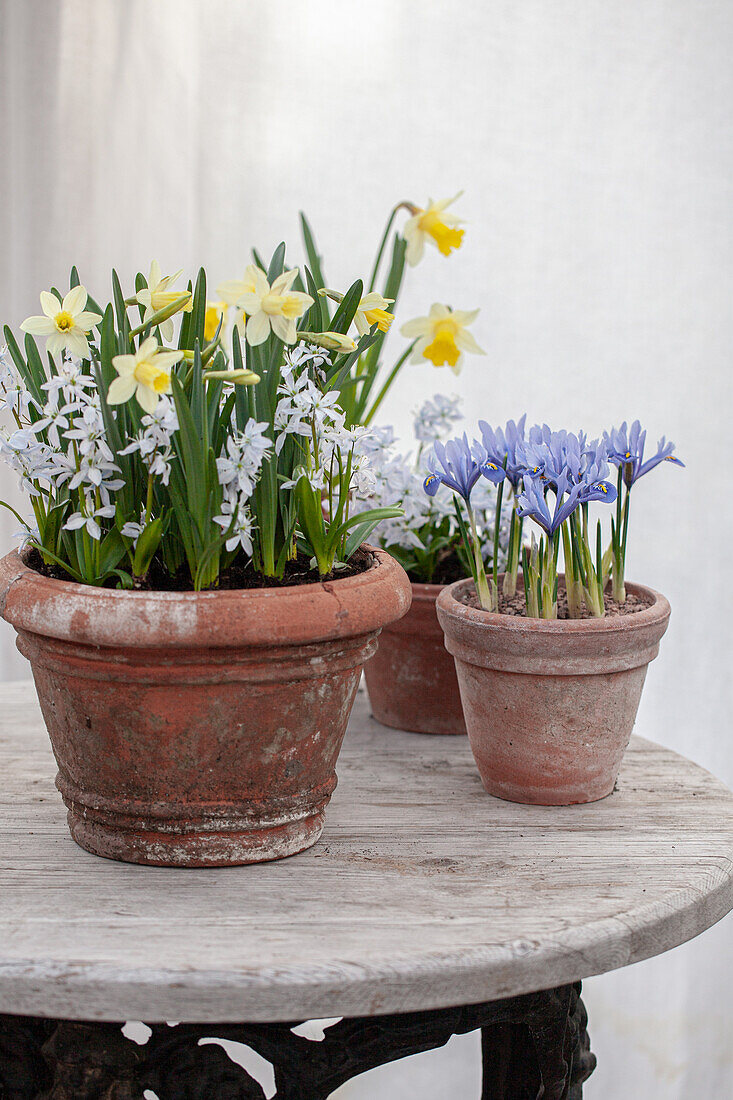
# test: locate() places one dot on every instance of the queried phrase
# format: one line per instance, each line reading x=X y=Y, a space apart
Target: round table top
x=423 y=891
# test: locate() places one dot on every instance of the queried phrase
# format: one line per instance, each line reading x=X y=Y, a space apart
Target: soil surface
x=448 y=570
x=517 y=605
x=237 y=577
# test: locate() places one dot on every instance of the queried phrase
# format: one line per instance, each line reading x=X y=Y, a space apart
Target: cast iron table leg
x=532 y=1045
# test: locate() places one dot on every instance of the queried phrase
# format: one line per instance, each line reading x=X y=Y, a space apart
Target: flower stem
x=382 y=245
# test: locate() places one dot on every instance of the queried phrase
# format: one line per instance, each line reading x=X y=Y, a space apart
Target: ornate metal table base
x=534 y=1046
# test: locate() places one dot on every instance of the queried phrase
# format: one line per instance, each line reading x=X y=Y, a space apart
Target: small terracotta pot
x=198 y=729
x=550 y=704
x=412 y=678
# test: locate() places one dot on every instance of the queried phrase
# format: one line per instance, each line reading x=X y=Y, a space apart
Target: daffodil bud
x=334 y=341
x=334 y=295
x=242 y=377
x=164 y=314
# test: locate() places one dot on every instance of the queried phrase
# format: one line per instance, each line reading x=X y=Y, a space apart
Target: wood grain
x=423 y=892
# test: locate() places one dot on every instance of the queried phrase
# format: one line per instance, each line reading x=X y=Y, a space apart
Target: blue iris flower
x=532 y=502
x=501 y=446
x=625 y=448
x=454 y=465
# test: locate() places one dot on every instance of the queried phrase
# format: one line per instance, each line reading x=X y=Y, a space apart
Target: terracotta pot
x=412 y=678
x=198 y=729
x=550 y=705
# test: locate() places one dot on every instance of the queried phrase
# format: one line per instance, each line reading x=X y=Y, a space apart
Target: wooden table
x=427 y=908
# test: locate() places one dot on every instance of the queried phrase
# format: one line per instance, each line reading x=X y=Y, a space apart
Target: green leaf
x=348 y=305
x=314 y=319
x=277 y=263
x=147 y=546
x=111 y=551
x=192 y=454
x=314 y=260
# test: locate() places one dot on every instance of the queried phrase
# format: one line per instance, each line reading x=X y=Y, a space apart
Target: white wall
x=594 y=142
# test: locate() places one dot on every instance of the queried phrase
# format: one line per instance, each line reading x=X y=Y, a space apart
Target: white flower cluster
x=399 y=481
x=314 y=418
x=238 y=469
x=435 y=418
x=153 y=441
x=75 y=455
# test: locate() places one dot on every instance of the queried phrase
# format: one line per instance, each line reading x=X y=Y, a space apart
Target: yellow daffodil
x=443 y=336
x=433 y=225
x=215 y=312
x=146 y=374
x=157 y=295
x=64 y=323
x=372 y=310
x=275 y=307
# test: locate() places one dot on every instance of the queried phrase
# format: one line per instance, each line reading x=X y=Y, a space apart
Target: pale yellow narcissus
x=157 y=295
x=433 y=225
x=443 y=336
x=215 y=312
x=275 y=307
x=64 y=323
x=231 y=291
x=372 y=310
x=146 y=374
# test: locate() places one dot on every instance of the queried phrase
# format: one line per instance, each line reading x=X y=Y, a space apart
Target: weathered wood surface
x=423 y=892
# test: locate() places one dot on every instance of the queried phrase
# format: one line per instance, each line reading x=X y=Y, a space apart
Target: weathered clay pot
x=412 y=677
x=198 y=729
x=550 y=705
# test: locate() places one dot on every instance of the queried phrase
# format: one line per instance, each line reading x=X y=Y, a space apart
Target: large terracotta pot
x=550 y=704
x=412 y=677
x=198 y=729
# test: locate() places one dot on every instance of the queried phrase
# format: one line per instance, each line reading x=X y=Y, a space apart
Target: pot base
x=197 y=847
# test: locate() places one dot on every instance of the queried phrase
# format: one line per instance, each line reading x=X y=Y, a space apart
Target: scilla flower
x=443 y=336
x=433 y=225
x=64 y=323
x=272 y=308
x=146 y=374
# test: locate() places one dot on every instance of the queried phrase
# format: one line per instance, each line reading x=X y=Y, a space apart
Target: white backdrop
x=594 y=142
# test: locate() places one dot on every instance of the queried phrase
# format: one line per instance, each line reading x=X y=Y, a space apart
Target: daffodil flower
x=443 y=336
x=157 y=295
x=433 y=225
x=275 y=307
x=231 y=291
x=146 y=374
x=372 y=310
x=216 y=312
x=64 y=323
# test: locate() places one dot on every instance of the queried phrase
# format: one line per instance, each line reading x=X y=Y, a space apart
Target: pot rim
x=285 y=616
x=659 y=609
